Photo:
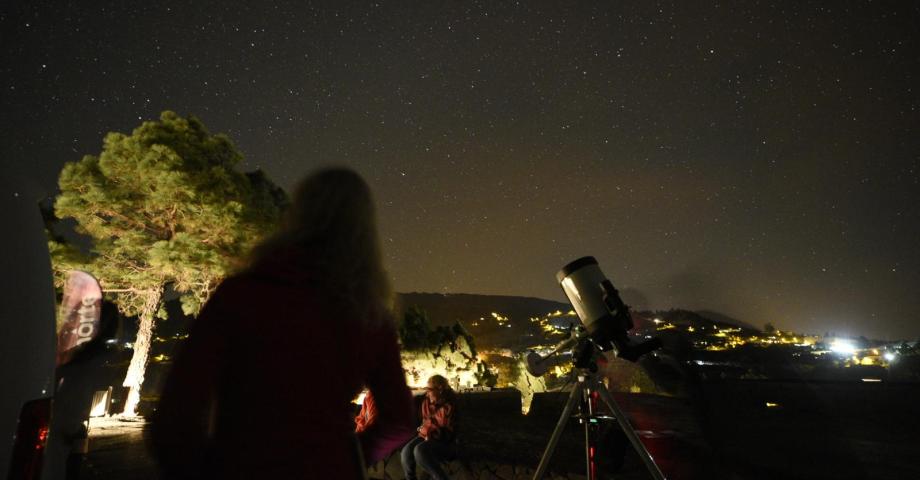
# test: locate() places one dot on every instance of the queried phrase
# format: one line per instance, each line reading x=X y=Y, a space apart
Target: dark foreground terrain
x=739 y=430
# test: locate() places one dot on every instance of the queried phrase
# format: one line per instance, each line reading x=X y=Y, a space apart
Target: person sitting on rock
x=434 y=444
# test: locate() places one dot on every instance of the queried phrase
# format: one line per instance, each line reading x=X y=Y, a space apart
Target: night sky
x=757 y=159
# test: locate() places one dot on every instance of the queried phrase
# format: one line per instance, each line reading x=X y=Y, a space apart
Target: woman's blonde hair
x=331 y=226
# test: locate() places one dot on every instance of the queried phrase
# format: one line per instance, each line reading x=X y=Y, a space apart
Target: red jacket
x=438 y=419
x=280 y=365
x=368 y=414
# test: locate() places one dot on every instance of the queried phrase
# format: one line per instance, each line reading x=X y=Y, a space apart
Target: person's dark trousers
x=428 y=455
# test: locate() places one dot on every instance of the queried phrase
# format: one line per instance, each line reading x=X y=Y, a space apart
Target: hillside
x=510 y=327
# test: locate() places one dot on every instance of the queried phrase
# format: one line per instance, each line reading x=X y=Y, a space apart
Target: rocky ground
x=496 y=442
x=117 y=450
x=746 y=430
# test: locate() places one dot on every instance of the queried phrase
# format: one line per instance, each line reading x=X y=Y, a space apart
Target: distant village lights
x=842 y=346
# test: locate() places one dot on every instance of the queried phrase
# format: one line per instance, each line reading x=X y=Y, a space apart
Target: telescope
x=605 y=325
x=600 y=309
x=605 y=317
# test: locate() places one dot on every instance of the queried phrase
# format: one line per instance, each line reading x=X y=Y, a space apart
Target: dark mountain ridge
x=446 y=309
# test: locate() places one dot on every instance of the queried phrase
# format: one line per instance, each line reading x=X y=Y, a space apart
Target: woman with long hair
x=436 y=440
x=262 y=385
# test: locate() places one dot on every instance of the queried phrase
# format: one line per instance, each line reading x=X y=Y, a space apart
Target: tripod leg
x=630 y=432
x=560 y=426
x=587 y=412
x=589 y=448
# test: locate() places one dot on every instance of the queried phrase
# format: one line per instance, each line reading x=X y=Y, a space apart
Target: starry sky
x=757 y=159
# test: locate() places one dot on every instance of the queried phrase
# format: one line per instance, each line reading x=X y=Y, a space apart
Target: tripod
x=582 y=394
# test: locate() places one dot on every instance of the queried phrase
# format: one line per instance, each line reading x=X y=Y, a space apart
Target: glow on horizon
x=843 y=346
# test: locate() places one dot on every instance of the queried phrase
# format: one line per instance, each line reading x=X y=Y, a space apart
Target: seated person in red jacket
x=368 y=414
x=434 y=444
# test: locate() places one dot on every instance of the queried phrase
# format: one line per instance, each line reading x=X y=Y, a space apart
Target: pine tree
x=164 y=206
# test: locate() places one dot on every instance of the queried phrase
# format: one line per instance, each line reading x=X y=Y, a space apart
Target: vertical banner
x=81 y=310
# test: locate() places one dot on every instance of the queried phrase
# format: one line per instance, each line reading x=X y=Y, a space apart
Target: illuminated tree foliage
x=448 y=351
x=416 y=333
x=164 y=206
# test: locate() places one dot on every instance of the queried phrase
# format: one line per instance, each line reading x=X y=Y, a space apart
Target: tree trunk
x=138 y=366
